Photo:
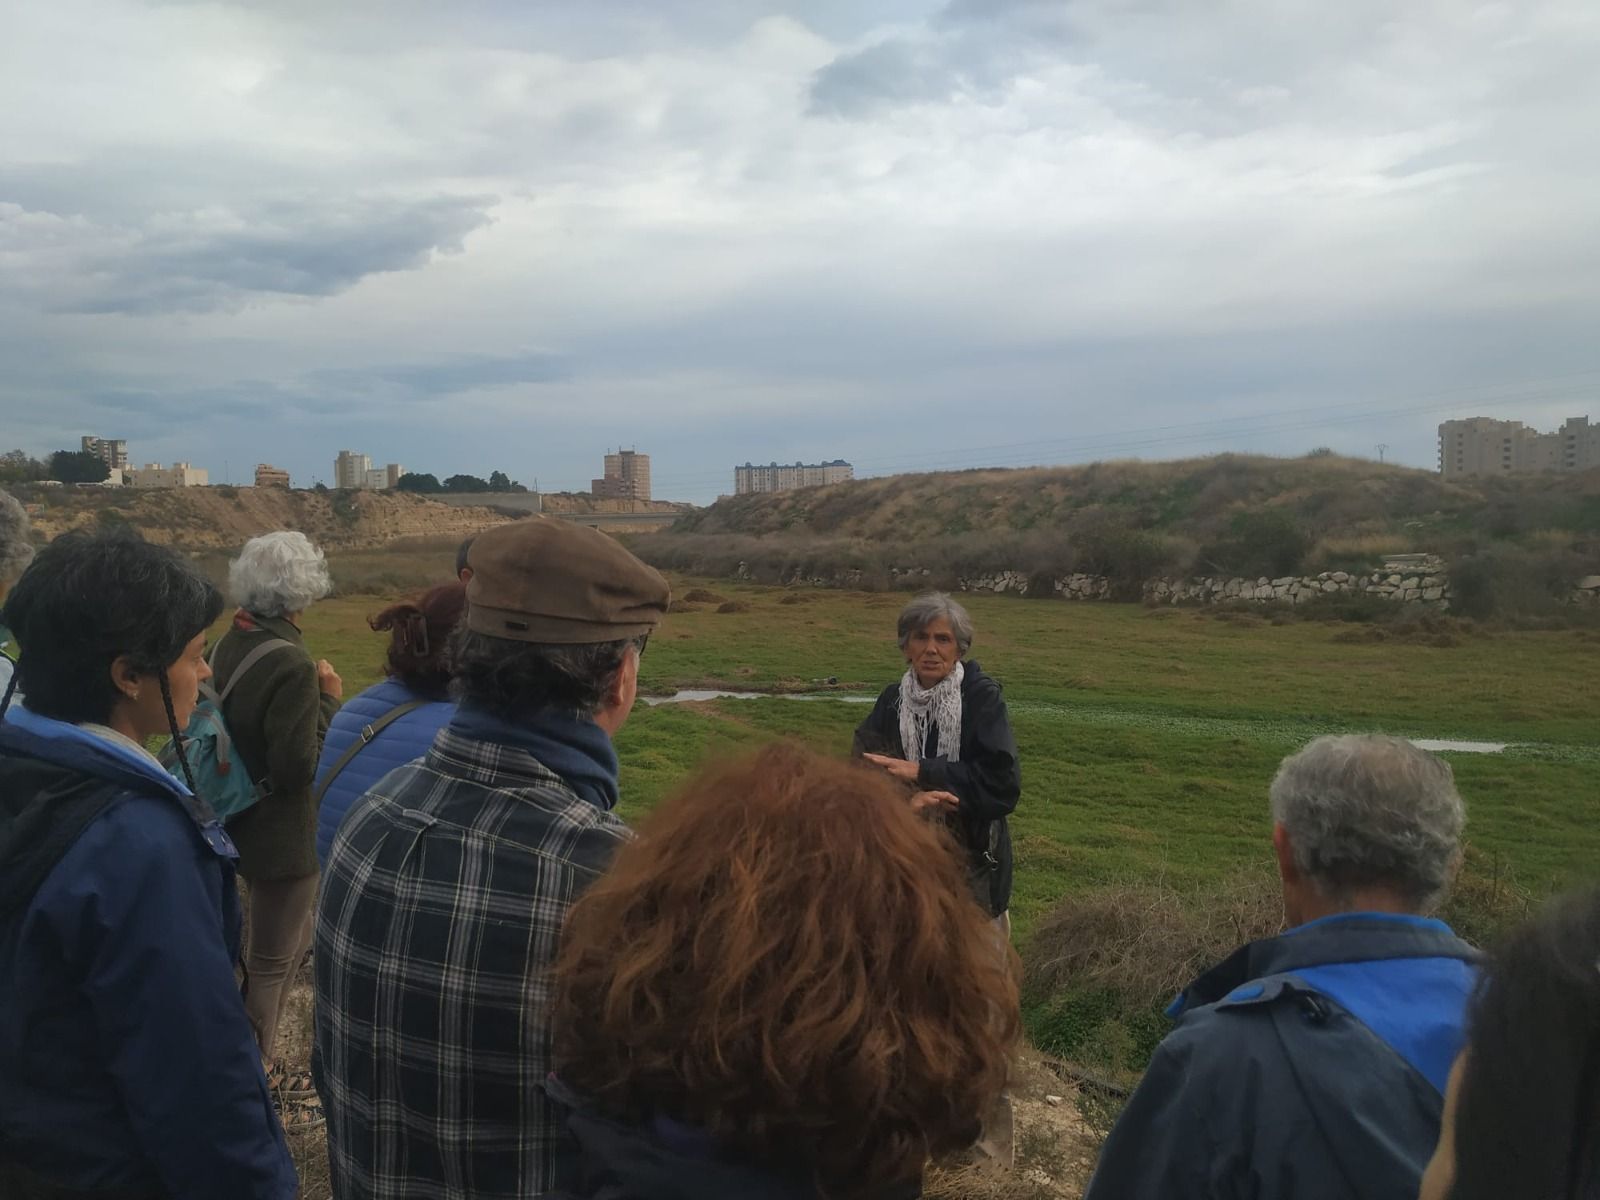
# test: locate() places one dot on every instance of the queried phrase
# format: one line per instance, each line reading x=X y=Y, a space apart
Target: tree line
x=426 y=484
x=66 y=466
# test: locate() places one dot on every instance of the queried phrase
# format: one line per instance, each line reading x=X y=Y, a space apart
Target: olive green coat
x=278 y=716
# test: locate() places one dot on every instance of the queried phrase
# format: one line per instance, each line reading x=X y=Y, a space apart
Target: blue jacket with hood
x=1308 y=1066
x=127 y=1065
x=406 y=740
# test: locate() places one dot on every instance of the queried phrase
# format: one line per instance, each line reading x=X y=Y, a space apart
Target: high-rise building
x=391 y=475
x=627 y=477
x=350 y=470
x=775 y=478
x=270 y=476
x=111 y=451
x=1485 y=446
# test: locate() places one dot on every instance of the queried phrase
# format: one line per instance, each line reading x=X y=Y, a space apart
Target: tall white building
x=111 y=451
x=350 y=470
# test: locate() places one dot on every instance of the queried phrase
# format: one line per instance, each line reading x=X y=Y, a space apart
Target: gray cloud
x=886 y=74
x=202 y=261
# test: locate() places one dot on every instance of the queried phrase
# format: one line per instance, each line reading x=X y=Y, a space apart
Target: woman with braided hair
x=127 y=1063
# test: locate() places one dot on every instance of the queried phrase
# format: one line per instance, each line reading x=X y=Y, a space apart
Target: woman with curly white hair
x=16 y=552
x=277 y=711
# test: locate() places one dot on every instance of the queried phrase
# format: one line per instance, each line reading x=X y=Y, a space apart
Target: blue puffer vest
x=400 y=743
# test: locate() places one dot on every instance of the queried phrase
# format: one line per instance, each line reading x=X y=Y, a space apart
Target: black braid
x=11 y=690
x=177 y=734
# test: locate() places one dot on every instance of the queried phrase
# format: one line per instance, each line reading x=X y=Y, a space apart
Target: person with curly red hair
x=781 y=989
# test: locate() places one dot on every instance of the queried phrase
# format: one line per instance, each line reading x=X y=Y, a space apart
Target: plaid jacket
x=442 y=903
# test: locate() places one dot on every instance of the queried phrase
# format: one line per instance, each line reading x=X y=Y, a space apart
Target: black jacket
x=622 y=1162
x=987 y=778
x=1271 y=1089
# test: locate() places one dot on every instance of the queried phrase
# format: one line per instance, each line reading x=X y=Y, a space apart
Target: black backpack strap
x=368 y=732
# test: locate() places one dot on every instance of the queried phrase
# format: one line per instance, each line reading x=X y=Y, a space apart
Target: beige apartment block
x=749 y=479
x=268 y=475
x=179 y=474
x=627 y=477
x=1485 y=446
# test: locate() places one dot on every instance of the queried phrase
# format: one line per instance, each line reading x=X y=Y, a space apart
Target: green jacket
x=278 y=717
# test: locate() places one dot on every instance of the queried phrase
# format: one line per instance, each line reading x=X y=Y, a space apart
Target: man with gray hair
x=1313 y=1064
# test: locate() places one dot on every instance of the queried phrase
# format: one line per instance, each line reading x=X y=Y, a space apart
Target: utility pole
x=1382 y=446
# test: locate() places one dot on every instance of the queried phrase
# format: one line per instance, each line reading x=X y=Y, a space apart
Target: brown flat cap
x=542 y=579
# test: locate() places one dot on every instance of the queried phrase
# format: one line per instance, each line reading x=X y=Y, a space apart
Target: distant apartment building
x=1485 y=446
x=355 y=472
x=350 y=470
x=111 y=451
x=270 y=476
x=179 y=474
x=627 y=477
x=775 y=478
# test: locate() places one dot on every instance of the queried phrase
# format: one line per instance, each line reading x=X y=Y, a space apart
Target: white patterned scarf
x=937 y=707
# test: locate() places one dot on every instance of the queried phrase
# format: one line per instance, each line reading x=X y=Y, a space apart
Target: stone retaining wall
x=1415 y=580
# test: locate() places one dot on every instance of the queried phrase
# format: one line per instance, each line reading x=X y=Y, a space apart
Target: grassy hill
x=224 y=518
x=1226 y=515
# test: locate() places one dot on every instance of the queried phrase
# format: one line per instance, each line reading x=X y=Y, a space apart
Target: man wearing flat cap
x=447 y=884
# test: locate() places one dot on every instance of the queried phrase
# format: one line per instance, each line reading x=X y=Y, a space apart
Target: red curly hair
x=791 y=960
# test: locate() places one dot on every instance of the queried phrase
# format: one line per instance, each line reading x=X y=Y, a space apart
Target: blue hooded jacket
x=1307 y=1066
x=127 y=1065
x=406 y=740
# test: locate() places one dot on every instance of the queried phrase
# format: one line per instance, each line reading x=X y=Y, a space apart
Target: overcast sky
x=510 y=235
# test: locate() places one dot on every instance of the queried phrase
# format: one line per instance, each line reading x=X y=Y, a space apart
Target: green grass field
x=1148 y=736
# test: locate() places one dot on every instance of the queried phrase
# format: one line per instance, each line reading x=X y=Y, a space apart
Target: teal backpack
x=220 y=776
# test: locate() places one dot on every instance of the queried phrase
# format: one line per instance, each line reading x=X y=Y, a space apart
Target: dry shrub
x=1486 y=901
x=732 y=606
x=1148 y=941
x=1361 y=551
x=702 y=596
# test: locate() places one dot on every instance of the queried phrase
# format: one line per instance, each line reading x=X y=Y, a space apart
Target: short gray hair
x=277 y=574
x=928 y=608
x=1365 y=810
x=16 y=546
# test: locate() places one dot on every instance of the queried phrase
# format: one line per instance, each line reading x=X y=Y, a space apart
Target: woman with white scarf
x=944 y=732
